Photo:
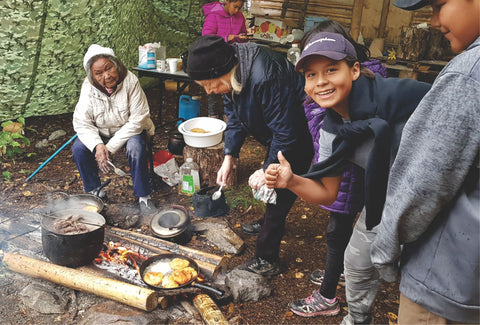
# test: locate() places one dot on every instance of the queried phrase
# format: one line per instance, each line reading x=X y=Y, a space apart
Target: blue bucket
x=188 y=108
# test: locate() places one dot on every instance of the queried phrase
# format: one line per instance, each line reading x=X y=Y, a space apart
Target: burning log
x=210 y=265
x=211 y=314
x=125 y=293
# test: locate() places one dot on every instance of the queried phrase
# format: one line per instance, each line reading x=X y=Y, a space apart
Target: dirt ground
x=303 y=247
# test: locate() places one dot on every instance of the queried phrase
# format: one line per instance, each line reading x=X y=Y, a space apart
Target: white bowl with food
x=202 y=132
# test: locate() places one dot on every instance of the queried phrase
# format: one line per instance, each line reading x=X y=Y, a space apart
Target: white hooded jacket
x=118 y=117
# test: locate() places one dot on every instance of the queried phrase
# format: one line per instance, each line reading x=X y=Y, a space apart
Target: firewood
x=211 y=314
x=125 y=293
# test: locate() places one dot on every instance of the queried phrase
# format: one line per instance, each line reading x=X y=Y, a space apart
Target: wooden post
x=357 y=13
x=125 y=293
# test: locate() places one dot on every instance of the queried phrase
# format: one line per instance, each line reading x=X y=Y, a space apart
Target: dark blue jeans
x=137 y=159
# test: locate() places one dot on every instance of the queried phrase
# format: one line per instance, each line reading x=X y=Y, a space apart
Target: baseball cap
x=331 y=45
x=411 y=4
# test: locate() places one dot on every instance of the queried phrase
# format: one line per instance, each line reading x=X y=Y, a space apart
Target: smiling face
x=105 y=73
x=232 y=7
x=329 y=82
x=458 y=20
x=219 y=85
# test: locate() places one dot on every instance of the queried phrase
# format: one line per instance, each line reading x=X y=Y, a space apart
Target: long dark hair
x=363 y=53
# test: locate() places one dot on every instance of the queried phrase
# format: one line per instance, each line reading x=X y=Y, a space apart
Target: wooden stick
x=125 y=293
x=211 y=314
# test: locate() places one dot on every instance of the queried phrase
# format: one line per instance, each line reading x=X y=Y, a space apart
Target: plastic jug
x=189 y=107
x=190 y=179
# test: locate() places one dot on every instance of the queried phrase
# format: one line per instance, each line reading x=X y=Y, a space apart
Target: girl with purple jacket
x=349 y=201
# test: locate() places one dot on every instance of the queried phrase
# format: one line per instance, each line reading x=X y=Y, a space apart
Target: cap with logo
x=331 y=45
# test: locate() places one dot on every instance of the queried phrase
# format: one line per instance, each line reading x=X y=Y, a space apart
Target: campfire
x=124 y=262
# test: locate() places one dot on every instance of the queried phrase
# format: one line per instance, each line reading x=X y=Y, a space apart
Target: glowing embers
x=120 y=261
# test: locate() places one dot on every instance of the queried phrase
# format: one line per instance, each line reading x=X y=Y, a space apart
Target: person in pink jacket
x=225 y=20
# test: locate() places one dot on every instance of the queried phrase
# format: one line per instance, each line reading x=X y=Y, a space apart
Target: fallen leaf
x=298 y=260
x=319 y=237
x=304 y=216
x=237 y=225
x=299 y=275
x=392 y=316
x=283 y=242
x=27 y=193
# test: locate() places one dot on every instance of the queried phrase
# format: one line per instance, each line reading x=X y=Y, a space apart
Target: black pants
x=273 y=227
x=339 y=231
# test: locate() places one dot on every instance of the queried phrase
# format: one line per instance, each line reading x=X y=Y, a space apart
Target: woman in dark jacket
x=263 y=96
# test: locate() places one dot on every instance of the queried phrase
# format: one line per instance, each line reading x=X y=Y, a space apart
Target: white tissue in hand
x=265 y=194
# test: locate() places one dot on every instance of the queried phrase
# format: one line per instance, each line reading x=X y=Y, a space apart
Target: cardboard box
x=270 y=29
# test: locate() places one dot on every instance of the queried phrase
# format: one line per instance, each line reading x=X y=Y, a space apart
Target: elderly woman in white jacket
x=112 y=112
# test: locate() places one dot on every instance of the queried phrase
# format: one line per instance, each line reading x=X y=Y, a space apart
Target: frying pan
x=167 y=258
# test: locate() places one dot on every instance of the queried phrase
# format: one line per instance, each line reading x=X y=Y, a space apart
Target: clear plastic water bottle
x=293 y=54
x=190 y=179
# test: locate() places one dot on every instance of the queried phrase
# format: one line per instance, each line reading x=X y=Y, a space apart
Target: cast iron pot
x=73 y=249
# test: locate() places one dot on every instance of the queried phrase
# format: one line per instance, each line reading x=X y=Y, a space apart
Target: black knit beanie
x=209 y=57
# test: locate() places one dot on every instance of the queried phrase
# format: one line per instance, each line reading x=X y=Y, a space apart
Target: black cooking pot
x=176 y=143
x=172 y=224
x=73 y=249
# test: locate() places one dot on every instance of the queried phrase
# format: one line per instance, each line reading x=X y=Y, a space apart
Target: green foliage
x=42 y=44
x=241 y=196
x=12 y=139
x=7 y=175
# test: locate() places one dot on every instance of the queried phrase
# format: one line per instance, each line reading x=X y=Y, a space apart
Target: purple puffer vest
x=350 y=194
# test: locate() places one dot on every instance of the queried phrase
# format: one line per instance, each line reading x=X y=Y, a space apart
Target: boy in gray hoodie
x=431 y=218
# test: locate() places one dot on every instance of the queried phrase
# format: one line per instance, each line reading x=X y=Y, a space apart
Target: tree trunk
x=414 y=44
x=209 y=161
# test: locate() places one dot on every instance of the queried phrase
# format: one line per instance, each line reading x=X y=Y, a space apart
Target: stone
x=219 y=233
x=44 y=298
x=247 y=286
x=110 y=312
x=56 y=135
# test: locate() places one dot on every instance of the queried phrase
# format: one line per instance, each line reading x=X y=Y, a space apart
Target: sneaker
x=253 y=228
x=315 y=305
x=147 y=208
x=261 y=267
x=318 y=275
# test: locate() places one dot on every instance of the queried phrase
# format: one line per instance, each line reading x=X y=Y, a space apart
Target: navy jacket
x=380 y=108
x=269 y=107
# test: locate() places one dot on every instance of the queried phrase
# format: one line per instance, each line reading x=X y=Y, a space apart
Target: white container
x=172 y=64
x=213 y=131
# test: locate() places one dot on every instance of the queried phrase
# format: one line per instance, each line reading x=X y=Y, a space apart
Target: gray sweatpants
x=361 y=277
